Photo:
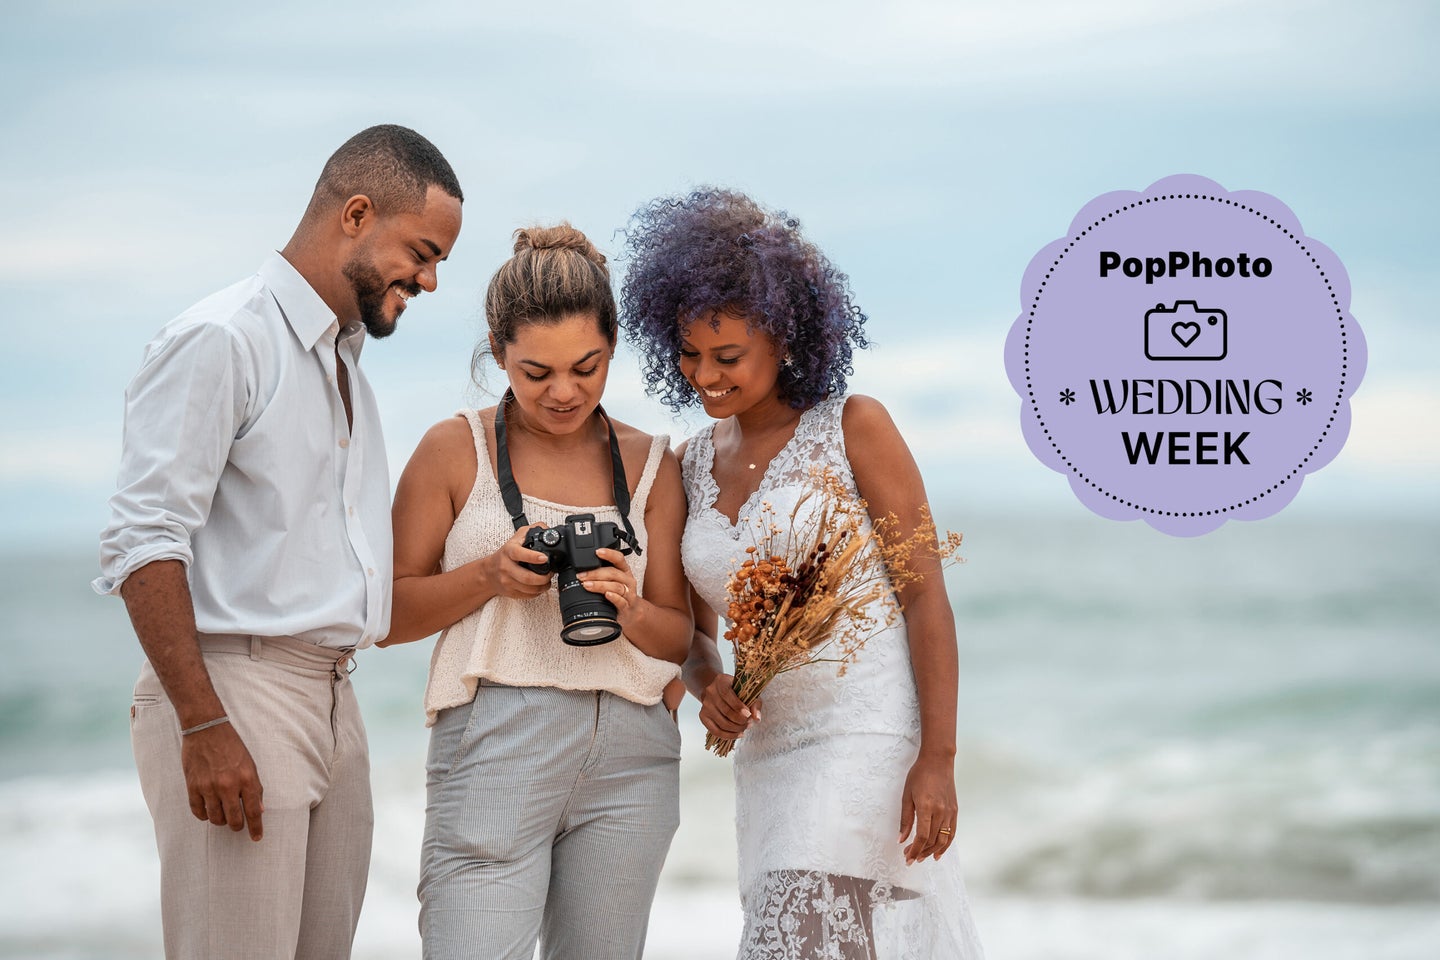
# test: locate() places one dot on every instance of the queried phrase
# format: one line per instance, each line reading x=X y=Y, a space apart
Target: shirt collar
x=307 y=314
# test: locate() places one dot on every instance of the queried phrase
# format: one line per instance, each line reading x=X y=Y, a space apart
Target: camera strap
x=510 y=490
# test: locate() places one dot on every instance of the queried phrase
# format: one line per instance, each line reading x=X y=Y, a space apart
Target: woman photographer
x=552 y=776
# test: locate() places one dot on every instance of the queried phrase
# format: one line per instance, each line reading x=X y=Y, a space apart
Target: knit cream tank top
x=517 y=642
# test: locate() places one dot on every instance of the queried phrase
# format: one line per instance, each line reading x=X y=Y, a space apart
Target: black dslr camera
x=586 y=618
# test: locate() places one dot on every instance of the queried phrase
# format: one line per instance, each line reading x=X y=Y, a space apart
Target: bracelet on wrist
x=204 y=726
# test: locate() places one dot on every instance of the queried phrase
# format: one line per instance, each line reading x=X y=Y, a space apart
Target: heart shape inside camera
x=1185 y=332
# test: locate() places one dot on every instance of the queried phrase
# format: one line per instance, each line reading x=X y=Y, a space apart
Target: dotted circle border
x=1344 y=354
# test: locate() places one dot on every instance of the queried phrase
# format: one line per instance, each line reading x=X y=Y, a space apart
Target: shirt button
x=370 y=570
x=344 y=442
x=350 y=510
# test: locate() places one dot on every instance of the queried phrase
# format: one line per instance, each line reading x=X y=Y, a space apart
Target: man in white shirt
x=250 y=539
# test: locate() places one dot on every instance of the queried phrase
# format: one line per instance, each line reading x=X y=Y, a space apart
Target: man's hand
x=222 y=780
x=220 y=775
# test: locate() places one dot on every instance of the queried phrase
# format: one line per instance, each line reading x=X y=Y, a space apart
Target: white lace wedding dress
x=818 y=780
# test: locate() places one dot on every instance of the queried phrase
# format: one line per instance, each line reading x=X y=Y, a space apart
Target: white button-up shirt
x=237 y=461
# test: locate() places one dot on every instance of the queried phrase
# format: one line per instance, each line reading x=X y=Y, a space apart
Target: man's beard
x=370 y=289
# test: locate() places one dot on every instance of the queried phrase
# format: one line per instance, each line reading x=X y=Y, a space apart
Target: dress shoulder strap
x=658 y=445
x=483 y=477
x=819 y=440
x=694 y=450
x=834 y=426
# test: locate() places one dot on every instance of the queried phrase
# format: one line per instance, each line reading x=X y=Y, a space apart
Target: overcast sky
x=151 y=153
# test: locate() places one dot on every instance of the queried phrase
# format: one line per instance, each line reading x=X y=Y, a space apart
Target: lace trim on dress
x=817 y=431
x=825 y=916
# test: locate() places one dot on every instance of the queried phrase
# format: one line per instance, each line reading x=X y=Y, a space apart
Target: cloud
x=1393 y=429
x=72 y=457
x=1050 y=48
x=159 y=150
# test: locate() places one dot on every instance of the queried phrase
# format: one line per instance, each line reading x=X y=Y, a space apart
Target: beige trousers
x=296 y=893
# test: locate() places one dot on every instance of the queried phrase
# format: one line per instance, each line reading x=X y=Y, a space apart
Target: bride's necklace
x=756 y=466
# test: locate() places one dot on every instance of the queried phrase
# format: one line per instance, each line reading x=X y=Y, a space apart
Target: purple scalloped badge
x=1185 y=355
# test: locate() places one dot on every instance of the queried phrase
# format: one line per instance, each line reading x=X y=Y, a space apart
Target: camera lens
x=586 y=618
x=590 y=632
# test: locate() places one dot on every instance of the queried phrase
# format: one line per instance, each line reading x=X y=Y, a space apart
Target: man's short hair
x=392 y=165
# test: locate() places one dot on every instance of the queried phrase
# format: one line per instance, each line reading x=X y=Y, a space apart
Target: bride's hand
x=928 y=808
x=722 y=712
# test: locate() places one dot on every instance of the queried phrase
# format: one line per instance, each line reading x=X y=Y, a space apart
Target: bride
x=845 y=785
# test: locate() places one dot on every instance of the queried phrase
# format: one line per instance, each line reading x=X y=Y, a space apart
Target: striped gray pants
x=548 y=817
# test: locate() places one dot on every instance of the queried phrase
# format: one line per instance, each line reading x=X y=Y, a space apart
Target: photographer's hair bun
x=562 y=236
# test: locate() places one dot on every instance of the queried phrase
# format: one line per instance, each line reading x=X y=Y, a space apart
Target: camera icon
x=1185 y=332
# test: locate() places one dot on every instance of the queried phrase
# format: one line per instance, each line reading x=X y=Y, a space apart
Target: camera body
x=573 y=543
x=586 y=619
x=1186 y=332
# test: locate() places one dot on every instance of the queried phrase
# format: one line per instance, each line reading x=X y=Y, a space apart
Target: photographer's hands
x=505 y=576
x=616 y=582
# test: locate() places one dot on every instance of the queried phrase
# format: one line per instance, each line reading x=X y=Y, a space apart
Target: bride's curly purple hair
x=718 y=250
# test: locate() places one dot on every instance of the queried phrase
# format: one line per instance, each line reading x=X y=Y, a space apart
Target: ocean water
x=1220 y=747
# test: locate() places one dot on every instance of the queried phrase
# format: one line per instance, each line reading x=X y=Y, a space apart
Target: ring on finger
x=946 y=831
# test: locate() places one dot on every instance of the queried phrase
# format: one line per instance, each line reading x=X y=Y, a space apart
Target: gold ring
x=627 y=589
x=946 y=831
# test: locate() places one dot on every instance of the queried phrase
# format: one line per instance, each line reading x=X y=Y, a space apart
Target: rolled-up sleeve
x=182 y=413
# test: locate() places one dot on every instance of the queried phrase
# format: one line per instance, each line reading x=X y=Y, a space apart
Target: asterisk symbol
x=1304 y=397
x=1067 y=396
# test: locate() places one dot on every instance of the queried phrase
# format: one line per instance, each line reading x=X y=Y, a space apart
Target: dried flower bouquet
x=828 y=590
